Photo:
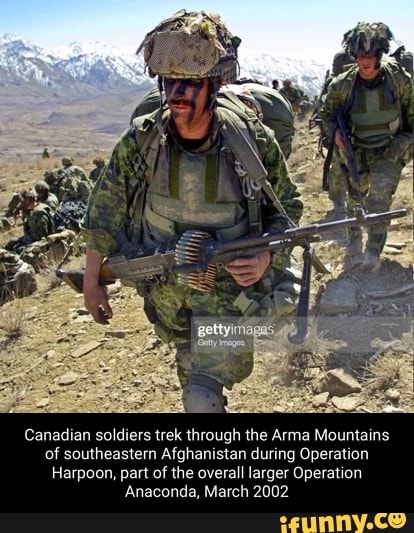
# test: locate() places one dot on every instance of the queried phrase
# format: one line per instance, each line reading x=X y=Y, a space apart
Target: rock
x=392 y=395
x=82 y=319
x=152 y=343
x=320 y=399
x=43 y=402
x=68 y=378
x=339 y=297
x=119 y=334
x=113 y=289
x=392 y=409
x=50 y=353
x=348 y=404
x=336 y=382
x=82 y=311
x=86 y=348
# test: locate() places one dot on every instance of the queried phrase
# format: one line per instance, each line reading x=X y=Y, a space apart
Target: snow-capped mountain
x=95 y=66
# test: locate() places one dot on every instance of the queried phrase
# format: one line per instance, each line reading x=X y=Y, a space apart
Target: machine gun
x=195 y=257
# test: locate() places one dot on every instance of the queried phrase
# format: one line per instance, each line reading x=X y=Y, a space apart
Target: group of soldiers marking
x=50 y=214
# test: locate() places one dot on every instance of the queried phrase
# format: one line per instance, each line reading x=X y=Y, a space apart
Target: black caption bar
x=192 y=463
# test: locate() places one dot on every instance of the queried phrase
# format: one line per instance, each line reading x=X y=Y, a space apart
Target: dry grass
x=384 y=372
x=13 y=317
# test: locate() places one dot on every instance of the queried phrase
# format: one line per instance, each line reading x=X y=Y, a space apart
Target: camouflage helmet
x=41 y=186
x=28 y=195
x=340 y=61
x=287 y=82
x=368 y=39
x=67 y=161
x=191 y=45
x=99 y=161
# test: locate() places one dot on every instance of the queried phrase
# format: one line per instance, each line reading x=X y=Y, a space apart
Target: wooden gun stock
x=74 y=278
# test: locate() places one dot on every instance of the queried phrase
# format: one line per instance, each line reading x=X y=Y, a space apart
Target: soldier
x=377 y=98
x=45 y=154
x=194 y=184
x=275 y=85
x=74 y=184
x=292 y=94
x=17 y=278
x=45 y=196
x=99 y=163
x=38 y=224
x=337 y=173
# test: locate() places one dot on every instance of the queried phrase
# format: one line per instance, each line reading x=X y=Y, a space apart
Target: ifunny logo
x=351 y=523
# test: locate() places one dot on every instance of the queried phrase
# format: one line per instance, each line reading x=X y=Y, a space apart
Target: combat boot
x=372 y=258
x=339 y=208
x=354 y=247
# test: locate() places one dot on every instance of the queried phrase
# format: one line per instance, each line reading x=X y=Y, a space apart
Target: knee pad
x=203 y=395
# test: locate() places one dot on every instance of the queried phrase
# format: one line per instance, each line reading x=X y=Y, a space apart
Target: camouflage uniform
x=292 y=94
x=380 y=114
x=96 y=172
x=17 y=278
x=39 y=223
x=197 y=188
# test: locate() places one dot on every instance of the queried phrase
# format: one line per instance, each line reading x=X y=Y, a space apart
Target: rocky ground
x=54 y=358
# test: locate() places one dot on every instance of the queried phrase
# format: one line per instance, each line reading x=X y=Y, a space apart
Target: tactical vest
x=374 y=116
x=395 y=76
x=168 y=179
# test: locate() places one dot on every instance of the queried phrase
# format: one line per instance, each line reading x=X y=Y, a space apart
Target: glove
x=400 y=148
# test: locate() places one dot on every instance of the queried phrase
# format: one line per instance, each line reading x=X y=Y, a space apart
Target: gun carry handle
x=299 y=336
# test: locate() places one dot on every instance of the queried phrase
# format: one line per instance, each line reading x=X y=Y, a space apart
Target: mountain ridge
x=101 y=67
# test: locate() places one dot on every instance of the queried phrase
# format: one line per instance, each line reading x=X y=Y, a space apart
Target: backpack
x=404 y=58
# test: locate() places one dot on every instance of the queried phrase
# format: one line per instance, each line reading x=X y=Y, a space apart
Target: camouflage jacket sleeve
x=104 y=223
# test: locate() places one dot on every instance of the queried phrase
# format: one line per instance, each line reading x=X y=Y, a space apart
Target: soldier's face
x=367 y=66
x=187 y=99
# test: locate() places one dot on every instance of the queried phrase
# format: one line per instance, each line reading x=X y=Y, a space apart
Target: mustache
x=179 y=101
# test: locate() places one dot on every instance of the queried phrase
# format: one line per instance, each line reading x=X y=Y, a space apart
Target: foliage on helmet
x=27 y=195
x=368 y=39
x=191 y=45
x=41 y=186
x=67 y=161
x=99 y=161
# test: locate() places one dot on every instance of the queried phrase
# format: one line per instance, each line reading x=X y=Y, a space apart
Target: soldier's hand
x=248 y=270
x=338 y=140
x=96 y=302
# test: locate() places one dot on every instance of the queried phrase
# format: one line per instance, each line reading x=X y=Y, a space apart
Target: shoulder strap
x=149 y=134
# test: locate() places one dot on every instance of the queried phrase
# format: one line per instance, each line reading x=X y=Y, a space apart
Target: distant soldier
x=17 y=278
x=99 y=163
x=275 y=84
x=291 y=93
x=74 y=184
x=45 y=154
x=45 y=196
x=38 y=224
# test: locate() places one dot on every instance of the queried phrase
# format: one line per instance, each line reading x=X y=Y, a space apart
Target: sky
x=308 y=29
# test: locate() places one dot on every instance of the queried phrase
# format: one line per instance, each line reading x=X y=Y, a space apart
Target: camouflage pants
x=379 y=181
x=176 y=304
x=337 y=181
